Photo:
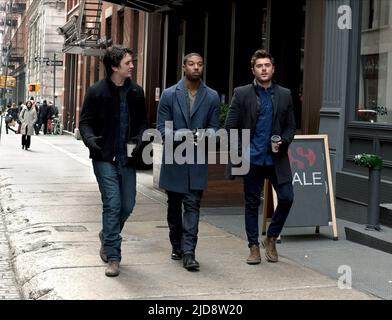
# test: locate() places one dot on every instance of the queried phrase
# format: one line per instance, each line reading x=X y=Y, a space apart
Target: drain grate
x=70 y=228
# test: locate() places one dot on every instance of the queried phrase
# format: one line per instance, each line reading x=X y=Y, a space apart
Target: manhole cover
x=70 y=228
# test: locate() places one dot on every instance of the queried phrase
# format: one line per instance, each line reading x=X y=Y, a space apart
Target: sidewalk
x=52 y=209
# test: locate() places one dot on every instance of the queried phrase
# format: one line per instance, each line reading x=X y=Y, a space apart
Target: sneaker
x=254 y=255
x=102 y=252
x=271 y=254
x=113 y=269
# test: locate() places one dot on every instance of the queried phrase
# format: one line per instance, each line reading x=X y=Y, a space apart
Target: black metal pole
x=374 y=200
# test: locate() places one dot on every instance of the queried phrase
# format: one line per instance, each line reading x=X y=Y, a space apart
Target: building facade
x=13 y=35
x=334 y=55
x=44 y=46
x=90 y=28
x=356 y=108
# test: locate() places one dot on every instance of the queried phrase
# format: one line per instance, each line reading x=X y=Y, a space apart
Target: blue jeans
x=253 y=184
x=183 y=228
x=118 y=191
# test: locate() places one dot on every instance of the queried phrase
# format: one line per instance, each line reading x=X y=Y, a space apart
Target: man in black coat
x=113 y=119
x=266 y=109
x=43 y=116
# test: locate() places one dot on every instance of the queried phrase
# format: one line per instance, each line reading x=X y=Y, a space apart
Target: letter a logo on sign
x=345 y=20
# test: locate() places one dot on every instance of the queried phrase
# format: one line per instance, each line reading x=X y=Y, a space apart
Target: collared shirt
x=260 y=145
x=123 y=128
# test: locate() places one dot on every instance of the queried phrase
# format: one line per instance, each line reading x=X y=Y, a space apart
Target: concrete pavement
x=52 y=214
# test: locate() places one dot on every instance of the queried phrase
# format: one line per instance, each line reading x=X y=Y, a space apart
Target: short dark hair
x=261 y=54
x=193 y=54
x=113 y=57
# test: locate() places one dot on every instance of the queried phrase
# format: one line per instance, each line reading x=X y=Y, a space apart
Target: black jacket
x=100 y=117
x=43 y=114
x=244 y=112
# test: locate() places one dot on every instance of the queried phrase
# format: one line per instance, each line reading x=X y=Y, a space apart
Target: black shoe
x=176 y=254
x=102 y=252
x=190 y=262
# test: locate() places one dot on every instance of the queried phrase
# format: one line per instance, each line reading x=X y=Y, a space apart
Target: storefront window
x=375 y=101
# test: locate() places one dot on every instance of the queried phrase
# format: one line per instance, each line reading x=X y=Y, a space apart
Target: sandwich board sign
x=314 y=202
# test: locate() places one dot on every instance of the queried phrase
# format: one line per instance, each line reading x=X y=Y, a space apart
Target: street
x=51 y=209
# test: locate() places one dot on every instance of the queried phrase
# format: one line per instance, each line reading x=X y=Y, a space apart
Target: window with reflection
x=375 y=100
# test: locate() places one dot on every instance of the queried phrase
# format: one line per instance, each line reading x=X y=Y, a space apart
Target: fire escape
x=82 y=30
x=12 y=47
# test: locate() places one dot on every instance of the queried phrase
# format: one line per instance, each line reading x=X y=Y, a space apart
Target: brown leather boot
x=254 y=256
x=113 y=269
x=271 y=254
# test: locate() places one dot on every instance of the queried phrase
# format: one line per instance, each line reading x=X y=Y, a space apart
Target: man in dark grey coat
x=266 y=109
x=186 y=106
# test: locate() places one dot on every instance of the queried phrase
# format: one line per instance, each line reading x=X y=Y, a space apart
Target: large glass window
x=375 y=101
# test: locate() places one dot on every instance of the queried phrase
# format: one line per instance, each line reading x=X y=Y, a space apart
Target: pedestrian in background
x=51 y=115
x=266 y=109
x=113 y=115
x=20 y=107
x=28 y=117
x=36 y=107
x=15 y=115
x=189 y=105
x=43 y=115
x=10 y=119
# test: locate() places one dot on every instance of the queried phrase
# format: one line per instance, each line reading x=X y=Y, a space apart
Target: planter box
x=220 y=191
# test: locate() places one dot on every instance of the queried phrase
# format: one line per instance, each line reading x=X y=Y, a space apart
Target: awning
x=151 y=5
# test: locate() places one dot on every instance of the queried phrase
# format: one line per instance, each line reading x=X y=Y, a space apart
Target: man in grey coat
x=183 y=108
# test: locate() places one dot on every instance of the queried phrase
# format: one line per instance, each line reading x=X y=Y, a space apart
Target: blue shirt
x=260 y=145
x=123 y=128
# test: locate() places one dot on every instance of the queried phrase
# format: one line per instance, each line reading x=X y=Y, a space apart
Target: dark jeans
x=118 y=191
x=253 y=184
x=39 y=125
x=183 y=228
x=26 y=140
x=8 y=128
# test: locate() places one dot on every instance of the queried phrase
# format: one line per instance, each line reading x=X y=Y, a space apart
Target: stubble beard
x=263 y=81
x=193 y=78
